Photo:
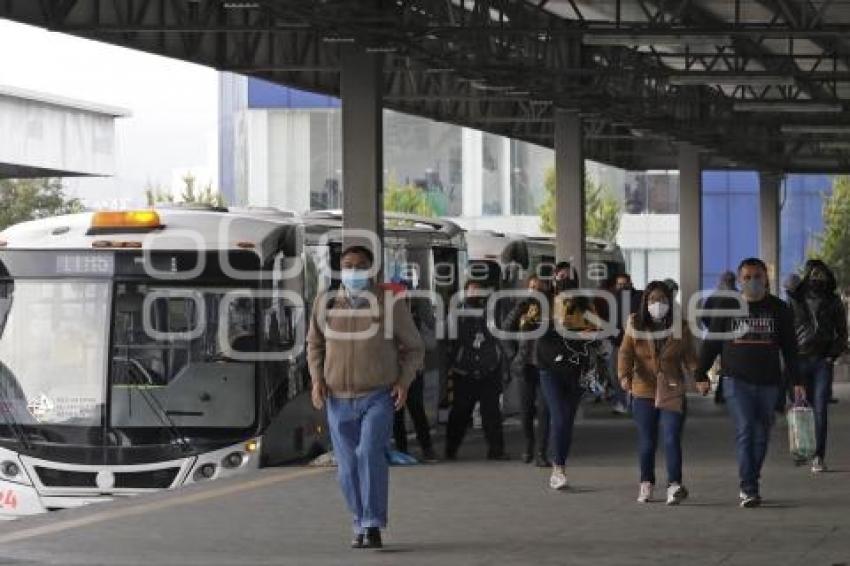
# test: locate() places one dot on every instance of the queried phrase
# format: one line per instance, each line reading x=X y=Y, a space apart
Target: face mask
x=355 y=279
x=753 y=288
x=658 y=310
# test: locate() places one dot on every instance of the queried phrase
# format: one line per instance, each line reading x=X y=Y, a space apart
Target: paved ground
x=475 y=512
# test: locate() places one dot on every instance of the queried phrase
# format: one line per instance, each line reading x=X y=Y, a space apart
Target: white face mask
x=658 y=310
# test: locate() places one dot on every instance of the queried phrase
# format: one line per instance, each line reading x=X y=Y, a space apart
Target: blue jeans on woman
x=361 y=429
x=816 y=374
x=562 y=395
x=649 y=420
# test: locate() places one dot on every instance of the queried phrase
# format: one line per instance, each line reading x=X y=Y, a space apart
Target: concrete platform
x=476 y=512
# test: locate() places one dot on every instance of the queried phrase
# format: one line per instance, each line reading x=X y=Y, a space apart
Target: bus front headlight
x=10 y=469
x=233 y=460
x=204 y=472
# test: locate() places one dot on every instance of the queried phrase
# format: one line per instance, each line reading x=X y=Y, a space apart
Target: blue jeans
x=649 y=419
x=361 y=429
x=752 y=409
x=816 y=374
x=562 y=395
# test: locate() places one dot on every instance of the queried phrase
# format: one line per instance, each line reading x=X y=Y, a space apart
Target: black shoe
x=428 y=456
x=357 y=541
x=498 y=456
x=451 y=456
x=373 y=538
x=833 y=401
x=527 y=457
x=542 y=461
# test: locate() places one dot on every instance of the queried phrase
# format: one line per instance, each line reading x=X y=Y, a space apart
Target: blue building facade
x=730 y=220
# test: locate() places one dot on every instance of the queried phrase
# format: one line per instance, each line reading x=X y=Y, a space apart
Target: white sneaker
x=749 y=501
x=676 y=493
x=620 y=408
x=558 y=479
x=645 y=493
x=818 y=466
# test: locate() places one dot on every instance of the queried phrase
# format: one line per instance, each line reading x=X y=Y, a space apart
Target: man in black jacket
x=750 y=346
x=719 y=300
x=820 y=322
x=475 y=368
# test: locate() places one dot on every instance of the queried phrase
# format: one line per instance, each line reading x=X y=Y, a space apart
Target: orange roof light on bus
x=124 y=221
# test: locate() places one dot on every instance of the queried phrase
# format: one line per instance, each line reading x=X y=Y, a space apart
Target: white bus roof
x=181 y=229
x=396 y=221
x=490 y=244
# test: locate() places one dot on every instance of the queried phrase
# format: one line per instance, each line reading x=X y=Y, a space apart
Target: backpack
x=478 y=352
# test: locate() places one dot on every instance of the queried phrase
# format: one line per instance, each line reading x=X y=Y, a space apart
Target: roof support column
x=361 y=90
x=690 y=222
x=569 y=191
x=769 y=225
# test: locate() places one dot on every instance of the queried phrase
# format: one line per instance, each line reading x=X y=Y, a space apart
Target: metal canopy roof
x=755 y=83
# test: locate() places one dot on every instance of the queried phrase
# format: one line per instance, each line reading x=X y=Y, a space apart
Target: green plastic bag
x=801 y=432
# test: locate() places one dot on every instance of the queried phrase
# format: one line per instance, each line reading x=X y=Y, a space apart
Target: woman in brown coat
x=652 y=366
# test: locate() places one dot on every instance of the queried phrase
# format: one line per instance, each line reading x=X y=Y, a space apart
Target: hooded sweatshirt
x=820 y=319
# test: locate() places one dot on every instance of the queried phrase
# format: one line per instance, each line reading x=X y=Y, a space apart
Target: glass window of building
x=427 y=155
x=495 y=163
x=529 y=164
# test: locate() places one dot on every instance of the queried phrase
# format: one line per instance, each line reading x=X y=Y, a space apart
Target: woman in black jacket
x=820 y=324
x=564 y=354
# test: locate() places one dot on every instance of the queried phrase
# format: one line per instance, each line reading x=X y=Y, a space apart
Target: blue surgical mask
x=753 y=287
x=355 y=279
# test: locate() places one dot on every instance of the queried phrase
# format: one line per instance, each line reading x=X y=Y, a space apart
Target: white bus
x=151 y=349
x=504 y=260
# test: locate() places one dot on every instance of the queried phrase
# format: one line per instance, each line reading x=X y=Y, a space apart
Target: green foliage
x=602 y=211
x=408 y=199
x=834 y=242
x=190 y=194
x=155 y=195
x=30 y=199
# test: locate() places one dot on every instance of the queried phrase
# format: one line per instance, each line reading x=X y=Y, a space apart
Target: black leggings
x=416 y=408
x=467 y=392
x=534 y=405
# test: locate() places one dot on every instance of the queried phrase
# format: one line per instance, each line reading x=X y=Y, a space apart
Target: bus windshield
x=181 y=363
x=53 y=336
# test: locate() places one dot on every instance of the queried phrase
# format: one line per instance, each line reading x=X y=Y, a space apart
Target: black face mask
x=476 y=302
x=818 y=285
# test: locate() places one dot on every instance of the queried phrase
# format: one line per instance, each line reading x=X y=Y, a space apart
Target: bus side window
x=450 y=264
x=279 y=325
x=311 y=277
x=279 y=318
x=5 y=301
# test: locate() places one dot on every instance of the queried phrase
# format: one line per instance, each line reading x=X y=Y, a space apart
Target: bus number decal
x=8 y=499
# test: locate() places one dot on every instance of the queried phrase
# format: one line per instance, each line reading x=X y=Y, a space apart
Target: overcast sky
x=173 y=126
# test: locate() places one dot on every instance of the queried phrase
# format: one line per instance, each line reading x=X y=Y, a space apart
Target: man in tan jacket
x=363 y=350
